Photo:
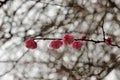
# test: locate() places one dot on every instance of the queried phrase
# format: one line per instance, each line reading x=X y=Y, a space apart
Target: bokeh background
x=97 y=19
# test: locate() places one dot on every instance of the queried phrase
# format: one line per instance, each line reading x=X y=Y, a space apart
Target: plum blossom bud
x=55 y=44
x=83 y=37
x=77 y=45
x=30 y=43
x=68 y=39
x=108 y=41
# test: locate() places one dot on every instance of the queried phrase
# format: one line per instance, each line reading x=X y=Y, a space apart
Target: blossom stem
x=90 y=40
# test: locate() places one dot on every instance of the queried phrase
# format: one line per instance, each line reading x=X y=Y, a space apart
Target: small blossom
x=68 y=39
x=30 y=43
x=55 y=44
x=108 y=41
x=83 y=37
x=77 y=45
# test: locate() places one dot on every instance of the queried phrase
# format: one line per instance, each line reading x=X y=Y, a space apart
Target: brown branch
x=3 y=2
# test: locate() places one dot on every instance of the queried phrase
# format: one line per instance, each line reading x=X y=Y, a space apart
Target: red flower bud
x=77 y=45
x=108 y=41
x=83 y=37
x=55 y=44
x=30 y=43
x=68 y=39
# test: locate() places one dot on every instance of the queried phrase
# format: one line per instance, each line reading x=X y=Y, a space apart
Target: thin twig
x=13 y=65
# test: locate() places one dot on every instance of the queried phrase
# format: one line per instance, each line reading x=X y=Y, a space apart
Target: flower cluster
x=67 y=40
